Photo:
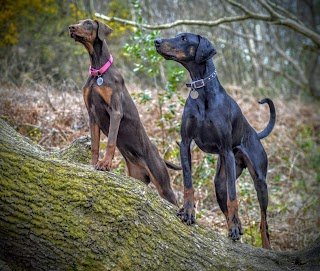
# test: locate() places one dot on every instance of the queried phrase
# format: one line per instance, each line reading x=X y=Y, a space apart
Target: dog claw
x=234 y=235
x=235 y=232
x=101 y=167
x=186 y=216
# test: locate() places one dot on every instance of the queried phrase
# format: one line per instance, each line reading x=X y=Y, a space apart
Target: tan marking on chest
x=85 y=92
x=105 y=93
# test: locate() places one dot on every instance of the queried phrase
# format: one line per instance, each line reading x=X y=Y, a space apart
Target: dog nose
x=71 y=27
x=157 y=42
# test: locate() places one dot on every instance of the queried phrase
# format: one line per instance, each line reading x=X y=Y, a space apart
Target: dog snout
x=157 y=42
x=72 y=28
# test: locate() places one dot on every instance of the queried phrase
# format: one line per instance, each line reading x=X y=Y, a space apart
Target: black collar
x=202 y=82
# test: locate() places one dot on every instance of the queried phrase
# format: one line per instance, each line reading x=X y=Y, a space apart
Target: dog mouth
x=77 y=37
x=166 y=55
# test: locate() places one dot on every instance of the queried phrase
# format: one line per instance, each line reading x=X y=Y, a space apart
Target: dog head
x=185 y=47
x=88 y=31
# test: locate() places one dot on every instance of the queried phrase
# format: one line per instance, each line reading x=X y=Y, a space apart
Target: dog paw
x=103 y=165
x=235 y=232
x=235 y=229
x=187 y=215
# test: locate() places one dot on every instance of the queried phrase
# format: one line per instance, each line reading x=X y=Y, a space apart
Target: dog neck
x=100 y=54
x=202 y=71
x=199 y=71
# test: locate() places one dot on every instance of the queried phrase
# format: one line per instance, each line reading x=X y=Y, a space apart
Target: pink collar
x=99 y=72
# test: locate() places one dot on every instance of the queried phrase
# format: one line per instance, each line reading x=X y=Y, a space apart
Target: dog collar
x=102 y=70
x=202 y=82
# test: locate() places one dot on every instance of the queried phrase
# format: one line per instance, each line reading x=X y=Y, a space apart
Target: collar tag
x=194 y=94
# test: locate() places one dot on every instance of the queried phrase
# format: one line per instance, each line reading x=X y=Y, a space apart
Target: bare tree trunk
x=314 y=77
x=57 y=214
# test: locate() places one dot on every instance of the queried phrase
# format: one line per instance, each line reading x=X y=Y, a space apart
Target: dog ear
x=103 y=30
x=204 y=51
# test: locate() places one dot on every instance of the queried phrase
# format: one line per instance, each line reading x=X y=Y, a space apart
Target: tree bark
x=56 y=213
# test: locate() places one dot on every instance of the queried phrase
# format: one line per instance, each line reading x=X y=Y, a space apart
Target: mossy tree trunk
x=56 y=213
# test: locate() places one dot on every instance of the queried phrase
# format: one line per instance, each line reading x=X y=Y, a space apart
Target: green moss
x=78 y=152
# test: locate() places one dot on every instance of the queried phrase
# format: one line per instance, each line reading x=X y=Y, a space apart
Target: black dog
x=215 y=122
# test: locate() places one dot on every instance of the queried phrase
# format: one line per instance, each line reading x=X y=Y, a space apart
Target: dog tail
x=172 y=165
x=272 y=119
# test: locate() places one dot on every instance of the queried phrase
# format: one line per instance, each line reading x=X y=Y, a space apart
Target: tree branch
x=267 y=7
x=174 y=24
x=287 y=13
x=276 y=18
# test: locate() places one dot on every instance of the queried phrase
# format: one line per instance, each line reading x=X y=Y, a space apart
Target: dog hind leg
x=160 y=178
x=220 y=182
x=226 y=193
x=138 y=171
x=256 y=161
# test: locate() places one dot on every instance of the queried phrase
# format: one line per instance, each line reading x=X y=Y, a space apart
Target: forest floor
x=54 y=118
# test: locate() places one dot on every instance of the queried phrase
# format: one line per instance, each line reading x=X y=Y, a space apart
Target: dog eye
x=88 y=24
x=184 y=38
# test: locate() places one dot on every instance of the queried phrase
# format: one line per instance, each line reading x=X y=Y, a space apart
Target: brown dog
x=112 y=110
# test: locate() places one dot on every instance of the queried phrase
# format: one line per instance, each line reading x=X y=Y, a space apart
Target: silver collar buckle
x=198 y=84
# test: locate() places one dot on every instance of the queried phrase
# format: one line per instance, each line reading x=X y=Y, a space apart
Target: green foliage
x=204 y=171
x=146 y=59
x=16 y=15
x=141 y=47
x=35 y=40
x=147 y=63
x=252 y=234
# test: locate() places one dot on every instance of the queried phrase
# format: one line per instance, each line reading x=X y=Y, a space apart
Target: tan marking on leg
x=188 y=194
x=95 y=142
x=232 y=210
x=105 y=93
x=110 y=150
x=106 y=161
x=264 y=233
x=233 y=220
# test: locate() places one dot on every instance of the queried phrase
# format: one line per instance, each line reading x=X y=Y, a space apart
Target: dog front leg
x=187 y=212
x=234 y=224
x=95 y=141
x=106 y=162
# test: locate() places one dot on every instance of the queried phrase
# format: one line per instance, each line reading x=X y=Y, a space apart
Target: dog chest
x=97 y=108
x=207 y=136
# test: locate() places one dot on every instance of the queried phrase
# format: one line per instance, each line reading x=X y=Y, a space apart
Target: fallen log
x=58 y=213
